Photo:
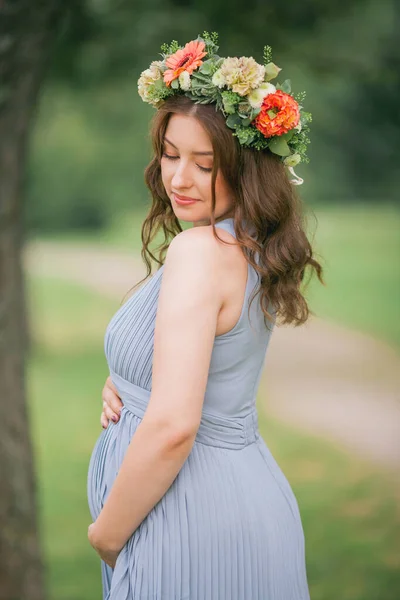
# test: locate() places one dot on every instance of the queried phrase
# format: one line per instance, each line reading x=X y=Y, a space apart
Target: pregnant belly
x=106 y=458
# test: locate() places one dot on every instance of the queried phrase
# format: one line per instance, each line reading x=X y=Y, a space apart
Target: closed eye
x=204 y=169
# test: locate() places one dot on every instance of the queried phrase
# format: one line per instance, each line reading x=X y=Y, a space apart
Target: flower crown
x=260 y=114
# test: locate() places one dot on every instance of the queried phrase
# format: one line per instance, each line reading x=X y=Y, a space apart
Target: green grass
x=350 y=511
x=360 y=247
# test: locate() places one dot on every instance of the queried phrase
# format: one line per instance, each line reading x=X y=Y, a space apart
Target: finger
x=103 y=420
x=109 y=383
x=113 y=401
x=110 y=414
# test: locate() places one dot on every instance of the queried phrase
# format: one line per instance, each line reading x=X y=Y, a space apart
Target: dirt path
x=323 y=378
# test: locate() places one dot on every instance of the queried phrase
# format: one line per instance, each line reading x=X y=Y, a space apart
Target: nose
x=181 y=179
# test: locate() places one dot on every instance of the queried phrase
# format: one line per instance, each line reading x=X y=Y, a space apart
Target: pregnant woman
x=186 y=499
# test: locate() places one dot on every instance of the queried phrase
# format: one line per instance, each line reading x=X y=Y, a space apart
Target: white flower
x=256 y=97
x=184 y=80
x=298 y=127
x=292 y=160
x=218 y=79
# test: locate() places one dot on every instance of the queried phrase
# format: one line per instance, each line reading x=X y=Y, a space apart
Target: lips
x=184 y=198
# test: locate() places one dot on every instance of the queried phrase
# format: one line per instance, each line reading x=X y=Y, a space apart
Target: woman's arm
x=188 y=306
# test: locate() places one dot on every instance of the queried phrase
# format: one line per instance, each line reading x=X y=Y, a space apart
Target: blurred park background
x=85 y=200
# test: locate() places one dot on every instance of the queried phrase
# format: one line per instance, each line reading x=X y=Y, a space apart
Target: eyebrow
x=201 y=153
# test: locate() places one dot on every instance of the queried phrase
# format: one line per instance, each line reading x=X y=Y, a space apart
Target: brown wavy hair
x=263 y=197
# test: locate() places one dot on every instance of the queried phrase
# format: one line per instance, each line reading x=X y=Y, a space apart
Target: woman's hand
x=111 y=404
x=107 y=555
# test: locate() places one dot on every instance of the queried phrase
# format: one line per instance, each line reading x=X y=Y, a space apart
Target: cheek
x=166 y=172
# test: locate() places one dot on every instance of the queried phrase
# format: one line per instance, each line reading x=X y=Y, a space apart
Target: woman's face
x=186 y=166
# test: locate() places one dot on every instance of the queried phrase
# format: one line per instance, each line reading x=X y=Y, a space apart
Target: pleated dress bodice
x=237 y=356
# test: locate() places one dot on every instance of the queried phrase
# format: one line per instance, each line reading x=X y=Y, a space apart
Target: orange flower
x=279 y=114
x=186 y=59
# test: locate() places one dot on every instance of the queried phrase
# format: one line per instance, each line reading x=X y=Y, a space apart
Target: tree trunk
x=27 y=31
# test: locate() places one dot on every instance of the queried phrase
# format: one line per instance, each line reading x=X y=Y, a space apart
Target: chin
x=187 y=219
x=186 y=213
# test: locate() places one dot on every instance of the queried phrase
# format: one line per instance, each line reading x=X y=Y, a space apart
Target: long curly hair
x=275 y=245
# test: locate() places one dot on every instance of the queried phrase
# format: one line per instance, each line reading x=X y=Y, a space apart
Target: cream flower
x=147 y=80
x=184 y=80
x=256 y=97
x=218 y=79
x=242 y=74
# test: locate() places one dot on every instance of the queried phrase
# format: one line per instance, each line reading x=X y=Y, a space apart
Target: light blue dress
x=229 y=527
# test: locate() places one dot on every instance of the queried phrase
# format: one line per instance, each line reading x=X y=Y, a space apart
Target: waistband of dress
x=214 y=430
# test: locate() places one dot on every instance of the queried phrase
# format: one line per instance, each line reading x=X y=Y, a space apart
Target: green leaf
x=233 y=120
x=206 y=67
x=279 y=146
x=287 y=136
x=175 y=84
x=202 y=77
x=255 y=112
x=285 y=86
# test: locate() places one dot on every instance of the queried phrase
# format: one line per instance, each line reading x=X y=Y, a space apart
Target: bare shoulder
x=191 y=241
x=214 y=270
x=193 y=257
x=199 y=249
x=225 y=262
